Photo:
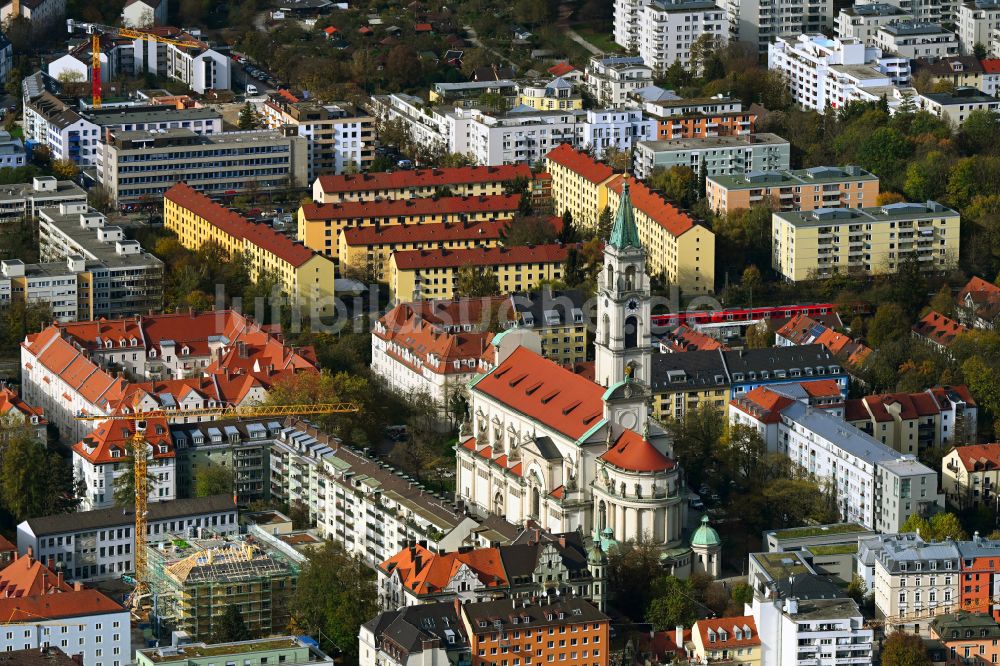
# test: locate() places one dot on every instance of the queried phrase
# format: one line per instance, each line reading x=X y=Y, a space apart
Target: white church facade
x=546 y=445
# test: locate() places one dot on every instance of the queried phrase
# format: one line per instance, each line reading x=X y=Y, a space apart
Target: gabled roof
x=424 y=572
x=685 y=339
x=26 y=576
x=561 y=69
x=109 y=443
x=553 y=253
x=979 y=457
x=501 y=205
x=763 y=404
x=11 y=401
x=654 y=206
x=939 y=329
x=580 y=163
x=419 y=178
x=260 y=235
x=546 y=392
x=74 y=603
x=721 y=633
x=633 y=452
x=424 y=346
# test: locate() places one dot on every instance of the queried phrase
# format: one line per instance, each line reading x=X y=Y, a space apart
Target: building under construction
x=194 y=581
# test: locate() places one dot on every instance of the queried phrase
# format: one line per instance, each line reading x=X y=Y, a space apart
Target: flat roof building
x=801 y=189
x=287 y=650
x=723 y=155
x=24 y=199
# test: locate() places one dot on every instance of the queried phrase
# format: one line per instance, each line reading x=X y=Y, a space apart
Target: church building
x=551 y=446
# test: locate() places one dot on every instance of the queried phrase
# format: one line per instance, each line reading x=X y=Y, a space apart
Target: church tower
x=623 y=309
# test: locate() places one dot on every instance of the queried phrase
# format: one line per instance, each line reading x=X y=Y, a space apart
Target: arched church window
x=606 y=337
x=630 y=278
x=631 y=332
x=611 y=277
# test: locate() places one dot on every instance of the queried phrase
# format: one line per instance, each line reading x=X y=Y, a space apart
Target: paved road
x=576 y=37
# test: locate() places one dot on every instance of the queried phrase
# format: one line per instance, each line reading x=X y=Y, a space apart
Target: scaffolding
x=194 y=581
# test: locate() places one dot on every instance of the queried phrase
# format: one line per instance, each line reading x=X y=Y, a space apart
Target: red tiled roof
x=74 y=603
x=110 y=436
x=939 y=329
x=979 y=457
x=426 y=572
x=763 y=404
x=423 y=233
x=991 y=65
x=978 y=284
x=235 y=225
x=422 y=345
x=60 y=357
x=961 y=391
x=423 y=27
x=634 y=453
x=546 y=392
x=481 y=256
x=503 y=205
x=330 y=29
x=580 y=163
x=9 y=400
x=26 y=577
x=728 y=626
x=683 y=339
x=658 y=209
x=561 y=69
x=418 y=178
x=821 y=388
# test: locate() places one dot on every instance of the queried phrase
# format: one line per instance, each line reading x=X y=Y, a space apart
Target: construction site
x=193 y=582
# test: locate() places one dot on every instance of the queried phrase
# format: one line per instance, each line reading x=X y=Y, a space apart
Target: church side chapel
x=546 y=445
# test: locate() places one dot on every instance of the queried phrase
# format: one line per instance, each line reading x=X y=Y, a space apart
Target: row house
x=914 y=422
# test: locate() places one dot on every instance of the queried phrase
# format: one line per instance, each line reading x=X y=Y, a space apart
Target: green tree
x=678 y=183
x=568 y=233
x=981 y=378
x=742 y=594
x=857 y=589
x=230 y=628
x=528 y=230
x=336 y=593
x=889 y=324
x=752 y=278
x=901 y=649
x=759 y=336
x=476 y=281
x=247 y=118
x=34 y=482
x=673 y=606
x=884 y=151
x=213 y=480
x=604 y=223
x=947 y=526
x=746 y=451
x=979 y=131
x=631 y=567
x=943 y=302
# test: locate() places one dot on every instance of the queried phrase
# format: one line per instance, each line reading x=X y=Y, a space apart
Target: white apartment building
x=761 y=21
x=621 y=129
x=56 y=283
x=914 y=578
x=610 y=79
x=825 y=72
x=340 y=136
x=876 y=486
x=24 y=199
x=811 y=632
x=977 y=21
x=666 y=29
x=916 y=39
x=956 y=106
x=626 y=23
x=363 y=504
x=144 y=13
x=719 y=156
x=862 y=20
x=938 y=11
x=100 y=544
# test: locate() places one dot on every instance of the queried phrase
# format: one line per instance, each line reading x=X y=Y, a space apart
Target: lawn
x=599 y=37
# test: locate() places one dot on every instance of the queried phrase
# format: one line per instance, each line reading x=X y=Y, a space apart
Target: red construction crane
x=95 y=30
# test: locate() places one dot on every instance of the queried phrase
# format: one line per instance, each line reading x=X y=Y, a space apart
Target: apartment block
x=913 y=579
x=100 y=544
x=963 y=71
x=916 y=39
x=579 y=184
x=970 y=475
x=23 y=200
x=140 y=166
x=977 y=21
x=825 y=72
x=870 y=241
x=860 y=22
x=558 y=94
x=876 y=486
x=956 y=106
x=802 y=189
x=965 y=634
x=304 y=275
x=63 y=285
x=428 y=633
x=320 y=225
x=422 y=274
x=913 y=422
x=723 y=155
x=666 y=29
x=761 y=22
x=340 y=137
x=468 y=94
x=681 y=250
x=471 y=181
x=610 y=79
x=288 y=650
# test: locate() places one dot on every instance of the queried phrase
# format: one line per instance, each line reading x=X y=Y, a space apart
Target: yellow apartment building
x=819 y=243
x=677 y=248
x=366 y=250
x=303 y=274
x=802 y=189
x=405 y=184
x=556 y=95
x=730 y=640
x=578 y=184
x=320 y=224
x=422 y=274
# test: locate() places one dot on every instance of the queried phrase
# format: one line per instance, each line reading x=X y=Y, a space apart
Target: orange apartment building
x=801 y=189
x=969 y=638
x=320 y=224
x=507 y=632
x=733 y=123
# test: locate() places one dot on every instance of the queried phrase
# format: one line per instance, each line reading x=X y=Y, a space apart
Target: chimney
x=562 y=540
x=59 y=579
x=78 y=586
x=458 y=609
x=30 y=554
x=678 y=635
x=51 y=561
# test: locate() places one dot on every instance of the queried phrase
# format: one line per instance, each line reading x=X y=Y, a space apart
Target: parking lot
x=246 y=73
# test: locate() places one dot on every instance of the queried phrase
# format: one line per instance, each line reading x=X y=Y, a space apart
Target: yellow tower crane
x=95 y=30
x=137 y=444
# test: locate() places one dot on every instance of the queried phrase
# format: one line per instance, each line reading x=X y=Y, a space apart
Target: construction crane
x=137 y=444
x=95 y=30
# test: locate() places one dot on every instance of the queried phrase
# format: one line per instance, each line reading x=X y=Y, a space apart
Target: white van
x=251 y=89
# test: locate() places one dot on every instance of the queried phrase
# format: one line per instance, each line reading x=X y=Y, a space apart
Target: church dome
x=705 y=535
x=595 y=555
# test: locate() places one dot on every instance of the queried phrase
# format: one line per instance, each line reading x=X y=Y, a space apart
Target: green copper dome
x=624 y=232
x=596 y=554
x=705 y=535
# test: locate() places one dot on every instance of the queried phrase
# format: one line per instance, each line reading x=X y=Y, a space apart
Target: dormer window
x=115 y=453
x=185 y=351
x=108 y=344
x=121 y=343
x=152 y=353
x=133 y=342
x=163 y=448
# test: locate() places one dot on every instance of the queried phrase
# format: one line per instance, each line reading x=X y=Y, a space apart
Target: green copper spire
x=624 y=233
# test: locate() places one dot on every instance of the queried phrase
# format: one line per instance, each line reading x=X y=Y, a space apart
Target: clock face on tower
x=632 y=306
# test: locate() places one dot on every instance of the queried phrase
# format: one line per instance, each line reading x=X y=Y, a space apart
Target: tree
x=752 y=278
x=941 y=526
x=746 y=450
x=101 y=198
x=604 y=223
x=679 y=183
x=248 y=117
x=889 y=324
x=979 y=50
x=402 y=66
x=230 y=628
x=944 y=302
x=336 y=593
x=631 y=568
x=617 y=159
x=476 y=281
x=742 y=593
x=64 y=169
x=528 y=230
x=34 y=482
x=857 y=589
x=423 y=453
x=673 y=606
x=901 y=649
x=567 y=234
x=759 y=336
x=213 y=480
